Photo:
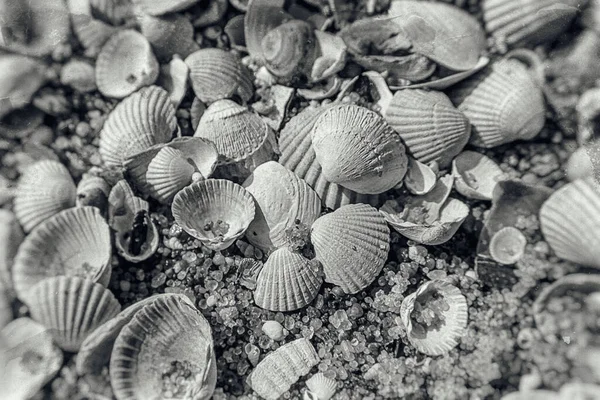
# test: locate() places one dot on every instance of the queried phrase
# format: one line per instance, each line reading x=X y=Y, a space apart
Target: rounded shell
x=507 y=245
x=585 y=161
x=476 y=175
x=321 y=386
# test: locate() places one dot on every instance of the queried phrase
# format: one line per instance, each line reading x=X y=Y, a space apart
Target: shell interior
x=476 y=175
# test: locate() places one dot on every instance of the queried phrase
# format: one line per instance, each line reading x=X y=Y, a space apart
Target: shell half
x=321 y=386
x=508 y=245
x=476 y=175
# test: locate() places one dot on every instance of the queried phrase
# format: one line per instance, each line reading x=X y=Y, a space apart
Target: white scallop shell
x=476 y=175
x=321 y=386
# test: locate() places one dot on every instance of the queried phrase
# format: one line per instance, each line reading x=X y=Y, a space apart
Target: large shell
x=71 y=308
x=152 y=7
x=279 y=370
x=293 y=206
x=169 y=35
x=352 y=243
x=476 y=175
x=215 y=211
x=441 y=333
x=320 y=386
x=125 y=64
x=20 y=78
x=11 y=236
x=288 y=281
x=166 y=332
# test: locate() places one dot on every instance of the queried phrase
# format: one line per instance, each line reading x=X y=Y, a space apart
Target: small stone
x=274 y=330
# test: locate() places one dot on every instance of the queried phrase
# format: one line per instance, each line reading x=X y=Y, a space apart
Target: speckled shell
x=352 y=243
x=262 y=16
x=91 y=33
x=211 y=201
x=584 y=162
x=420 y=179
x=476 y=175
x=143 y=119
x=168 y=329
x=79 y=75
x=44 y=189
x=280 y=369
x=321 y=386
x=437 y=341
x=125 y=64
x=430 y=126
x=570 y=222
x=92 y=191
x=507 y=245
x=20 y=78
x=152 y=7
x=169 y=35
x=11 y=236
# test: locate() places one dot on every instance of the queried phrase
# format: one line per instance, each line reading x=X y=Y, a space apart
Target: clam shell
x=11 y=236
x=293 y=204
x=91 y=33
x=288 y=281
x=508 y=245
x=443 y=338
x=476 y=175
x=584 y=162
x=352 y=243
x=214 y=211
x=262 y=16
x=570 y=222
x=420 y=179
x=79 y=75
x=20 y=79
x=125 y=64
x=93 y=191
x=321 y=386
x=169 y=35
x=174 y=79
x=430 y=126
x=152 y=7
x=169 y=330
x=44 y=189
x=279 y=370
x=71 y=308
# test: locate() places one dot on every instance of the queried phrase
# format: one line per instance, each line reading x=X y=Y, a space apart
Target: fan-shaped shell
x=321 y=386
x=11 y=236
x=476 y=175
x=169 y=35
x=164 y=333
x=93 y=191
x=20 y=78
x=352 y=243
x=125 y=64
x=214 y=211
x=570 y=222
x=279 y=370
x=508 y=245
x=152 y=7
x=79 y=75
x=420 y=179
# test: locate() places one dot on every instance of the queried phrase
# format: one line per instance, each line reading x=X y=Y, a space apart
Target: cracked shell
x=476 y=175
x=420 y=178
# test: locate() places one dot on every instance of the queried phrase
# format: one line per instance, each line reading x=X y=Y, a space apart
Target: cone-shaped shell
x=430 y=126
x=214 y=211
x=476 y=175
x=169 y=330
x=320 y=386
x=279 y=370
x=570 y=222
x=352 y=243
x=420 y=179
x=293 y=204
x=143 y=119
x=448 y=326
x=71 y=308
x=44 y=189
x=169 y=35
x=125 y=64
x=288 y=281
x=152 y=7
x=508 y=245
x=93 y=191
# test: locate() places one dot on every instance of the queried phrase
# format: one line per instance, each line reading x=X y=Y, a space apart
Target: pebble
x=274 y=330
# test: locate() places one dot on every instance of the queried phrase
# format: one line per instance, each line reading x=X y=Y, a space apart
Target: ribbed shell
x=44 y=189
x=430 y=126
x=79 y=75
x=210 y=202
x=420 y=179
x=287 y=282
x=153 y=7
x=352 y=243
x=125 y=64
x=570 y=222
x=93 y=191
x=321 y=386
x=507 y=245
x=143 y=119
x=476 y=175
x=71 y=308
x=280 y=369
x=169 y=35
x=167 y=330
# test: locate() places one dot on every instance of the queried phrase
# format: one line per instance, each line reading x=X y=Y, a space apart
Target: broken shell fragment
x=20 y=78
x=446 y=81
x=174 y=79
x=93 y=191
x=507 y=245
x=476 y=175
x=330 y=58
x=79 y=75
x=420 y=179
x=321 y=387
x=152 y=7
x=169 y=35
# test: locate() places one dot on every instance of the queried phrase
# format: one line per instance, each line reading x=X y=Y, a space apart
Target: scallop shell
x=508 y=245
x=352 y=243
x=169 y=35
x=11 y=236
x=430 y=126
x=71 y=308
x=274 y=330
x=476 y=175
x=570 y=222
x=262 y=16
x=125 y=64
x=91 y=33
x=279 y=370
x=444 y=337
x=93 y=191
x=143 y=119
x=167 y=331
x=20 y=79
x=420 y=179
x=584 y=162
x=44 y=189
x=287 y=282
x=79 y=75
x=214 y=211
x=293 y=205
x=321 y=386
x=152 y=7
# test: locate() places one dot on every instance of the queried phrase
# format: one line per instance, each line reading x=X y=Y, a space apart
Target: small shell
x=420 y=179
x=331 y=56
x=508 y=245
x=476 y=175
x=584 y=162
x=280 y=369
x=174 y=79
x=274 y=330
x=91 y=33
x=152 y=7
x=439 y=334
x=287 y=282
x=20 y=79
x=125 y=64
x=79 y=75
x=352 y=243
x=260 y=18
x=169 y=35
x=44 y=189
x=214 y=211
x=93 y=191
x=11 y=236
x=321 y=386
x=71 y=308
x=588 y=111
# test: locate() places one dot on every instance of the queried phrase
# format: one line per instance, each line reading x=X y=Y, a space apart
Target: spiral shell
x=508 y=245
x=20 y=78
x=79 y=75
x=420 y=179
x=321 y=386
x=93 y=191
x=476 y=175
x=152 y=7
x=169 y=35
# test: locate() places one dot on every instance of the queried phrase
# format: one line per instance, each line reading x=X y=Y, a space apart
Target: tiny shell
x=260 y=18
x=420 y=179
x=169 y=35
x=352 y=243
x=79 y=75
x=153 y=7
x=507 y=245
x=93 y=191
x=274 y=330
x=11 y=236
x=20 y=79
x=584 y=162
x=321 y=386
x=476 y=175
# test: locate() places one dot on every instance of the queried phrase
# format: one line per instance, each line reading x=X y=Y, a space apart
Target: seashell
x=274 y=330
x=21 y=123
x=196 y=111
x=93 y=191
x=216 y=74
x=44 y=189
x=570 y=223
x=507 y=246
x=287 y=282
x=79 y=75
x=169 y=35
x=280 y=369
x=71 y=308
x=358 y=150
x=168 y=332
x=584 y=162
x=588 y=111
x=212 y=14
x=321 y=387
x=116 y=12
x=331 y=56
x=283 y=216
x=125 y=64
x=214 y=211
x=28 y=357
x=6 y=305
x=279 y=98
x=261 y=17
x=234 y=29
x=435 y=317
x=323 y=90
x=352 y=244
x=420 y=179
x=91 y=33
x=240 y=5
x=11 y=237
x=152 y=7
x=476 y=175
x=143 y=119
x=174 y=79
x=20 y=79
